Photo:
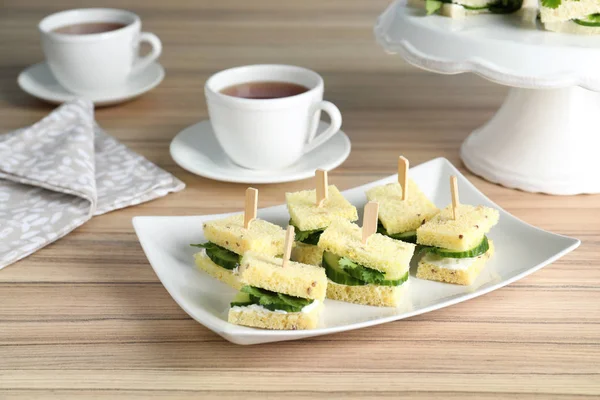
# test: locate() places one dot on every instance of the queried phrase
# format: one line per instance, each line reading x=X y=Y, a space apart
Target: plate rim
x=224 y=328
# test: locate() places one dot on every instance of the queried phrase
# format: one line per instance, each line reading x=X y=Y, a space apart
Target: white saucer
x=38 y=81
x=196 y=149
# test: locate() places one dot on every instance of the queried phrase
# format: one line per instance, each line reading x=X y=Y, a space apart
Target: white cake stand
x=545 y=136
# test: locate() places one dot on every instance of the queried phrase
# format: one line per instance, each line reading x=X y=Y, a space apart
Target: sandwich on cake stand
x=571 y=16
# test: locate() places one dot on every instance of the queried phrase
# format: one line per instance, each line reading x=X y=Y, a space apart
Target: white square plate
x=520 y=250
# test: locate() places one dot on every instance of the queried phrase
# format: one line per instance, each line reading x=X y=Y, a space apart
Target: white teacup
x=269 y=133
x=96 y=62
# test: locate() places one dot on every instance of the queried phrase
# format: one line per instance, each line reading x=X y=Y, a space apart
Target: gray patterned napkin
x=58 y=173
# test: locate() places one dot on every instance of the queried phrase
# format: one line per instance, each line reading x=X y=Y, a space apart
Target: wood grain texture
x=87 y=318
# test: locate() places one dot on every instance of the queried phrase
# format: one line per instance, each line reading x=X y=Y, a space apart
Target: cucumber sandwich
x=399 y=218
x=273 y=296
x=462 y=8
x=375 y=273
x=228 y=240
x=456 y=249
x=310 y=220
x=571 y=16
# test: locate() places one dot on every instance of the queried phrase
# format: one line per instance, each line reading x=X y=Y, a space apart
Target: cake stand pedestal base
x=541 y=140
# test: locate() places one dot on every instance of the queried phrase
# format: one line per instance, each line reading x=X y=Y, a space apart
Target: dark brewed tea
x=88 y=28
x=264 y=90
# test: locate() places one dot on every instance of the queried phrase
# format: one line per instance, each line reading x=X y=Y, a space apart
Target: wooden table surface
x=87 y=318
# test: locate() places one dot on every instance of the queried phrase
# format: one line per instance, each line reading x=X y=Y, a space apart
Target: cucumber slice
x=369 y=275
x=241 y=299
x=478 y=250
x=394 y=282
x=592 y=20
x=409 y=237
x=335 y=273
x=471 y=8
x=220 y=255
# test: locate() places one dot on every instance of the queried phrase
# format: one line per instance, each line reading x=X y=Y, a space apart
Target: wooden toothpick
x=250 y=206
x=403 y=176
x=370 y=217
x=322 y=193
x=454 y=192
x=287 y=246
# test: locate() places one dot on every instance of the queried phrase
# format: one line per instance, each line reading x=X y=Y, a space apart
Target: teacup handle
x=315 y=140
x=156 y=44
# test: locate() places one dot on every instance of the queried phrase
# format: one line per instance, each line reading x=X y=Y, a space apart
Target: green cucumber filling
x=592 y=20
x=308 y=237
x=410 y=237
x=270 y=300
x=551 y=3
x=496 y=7
x=220 y=255
x=344 y=271
x=476 y=251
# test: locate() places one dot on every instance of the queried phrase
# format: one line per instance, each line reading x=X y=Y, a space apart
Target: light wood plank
x=302 y=381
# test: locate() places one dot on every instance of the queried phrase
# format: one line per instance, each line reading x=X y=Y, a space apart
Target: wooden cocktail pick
x=403 y=176
x=370 y=217
x=454 y=192
x=321 y=177
x=250 y=206
x=287 y=246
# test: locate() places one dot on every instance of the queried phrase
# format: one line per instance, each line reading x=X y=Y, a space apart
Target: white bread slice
x=462 y=233
x=568 y=10
x=371 y=295
x=204 y=263
x=261 y=236
x=307 y=216
x=399 y=215
x=259 y=317
x=571 y=27
x=296 y=279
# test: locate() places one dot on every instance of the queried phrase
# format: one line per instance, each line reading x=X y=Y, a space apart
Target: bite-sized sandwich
x=463 y=8
x=399 y=218
x=571 y=16
x=456 y=248
x=310 y=220
x=228 y=240
x=373 y=273
x=274 y=296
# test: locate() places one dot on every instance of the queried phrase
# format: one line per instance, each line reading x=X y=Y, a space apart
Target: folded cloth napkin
x=58 y=173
